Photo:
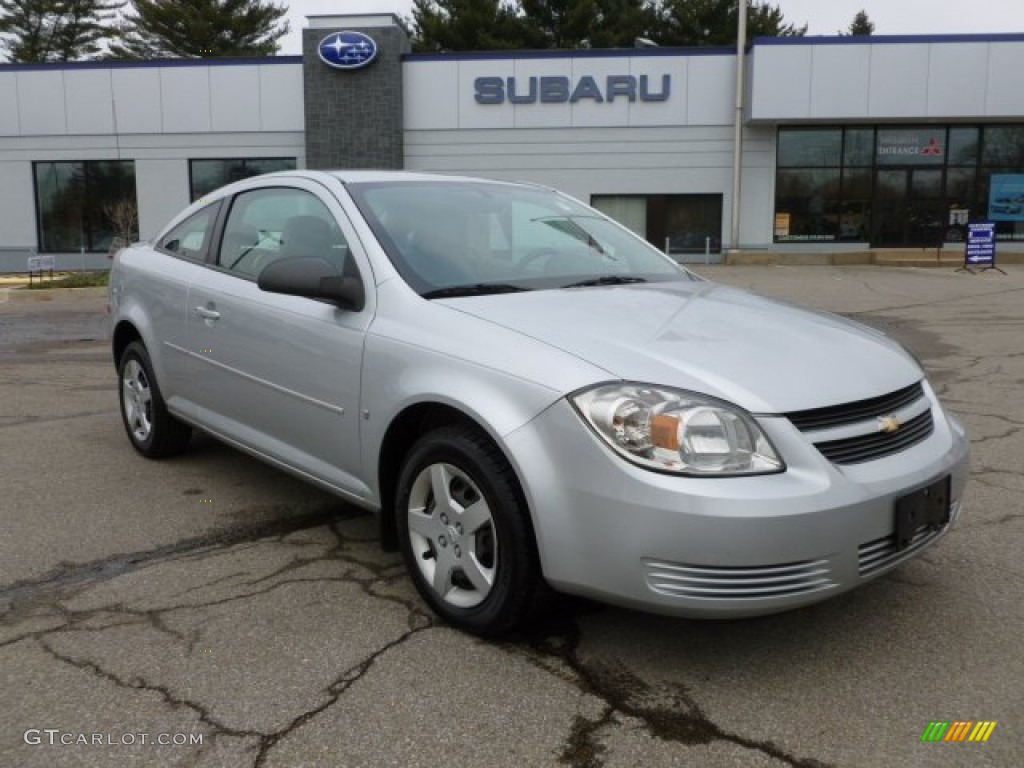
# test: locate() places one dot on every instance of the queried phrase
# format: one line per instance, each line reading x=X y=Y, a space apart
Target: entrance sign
x=911 y=146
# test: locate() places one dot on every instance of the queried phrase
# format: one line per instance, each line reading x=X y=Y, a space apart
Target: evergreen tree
x=714 y=22
x=559 y=23
x=54 y=30
x=200 y=29
x=621 y=22
x=587 y=23
x=469 y=25
x=82 y=27
x=861 y=25
x=26 y=29
x=474 y=25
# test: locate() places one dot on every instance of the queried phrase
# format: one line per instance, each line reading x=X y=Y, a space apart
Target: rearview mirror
x=313 y=278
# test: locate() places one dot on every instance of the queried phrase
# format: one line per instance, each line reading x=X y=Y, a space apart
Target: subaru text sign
x=561 y=90
x=347 y=50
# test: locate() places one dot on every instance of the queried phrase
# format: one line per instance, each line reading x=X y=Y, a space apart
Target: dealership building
x=850 y=145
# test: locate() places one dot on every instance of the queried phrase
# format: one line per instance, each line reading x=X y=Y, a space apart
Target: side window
x=265 y=225
x=191 y=237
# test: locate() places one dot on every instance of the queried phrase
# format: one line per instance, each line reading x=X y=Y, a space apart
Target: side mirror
x=313 y=278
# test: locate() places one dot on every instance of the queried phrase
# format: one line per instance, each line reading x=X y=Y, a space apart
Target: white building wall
x=682 y=145
x=158 y=116
x=440 y=94
x=614 y=161
x=117 y=99
x=887 y=79
x=17 y=210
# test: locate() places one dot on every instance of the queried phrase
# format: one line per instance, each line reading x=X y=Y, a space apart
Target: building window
x=898 y=186
x=81 y=206
x=207 y=175
x=679 y=224
x=807 y=204
x=822 y=192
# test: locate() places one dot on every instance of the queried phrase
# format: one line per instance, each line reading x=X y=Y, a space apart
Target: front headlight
x=679 y=432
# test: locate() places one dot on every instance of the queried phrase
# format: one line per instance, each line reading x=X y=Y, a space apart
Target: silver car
x=531 y=398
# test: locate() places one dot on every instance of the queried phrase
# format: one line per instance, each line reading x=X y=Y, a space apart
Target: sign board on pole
x=37 y=264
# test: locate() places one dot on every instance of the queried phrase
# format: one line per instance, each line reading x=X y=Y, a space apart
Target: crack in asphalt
x=336 y=690
x=681 y=720
x=944 y=301
x=82 y=577
x=668 y=713
x=73 y=574
x=139 y=683
x=39 y=420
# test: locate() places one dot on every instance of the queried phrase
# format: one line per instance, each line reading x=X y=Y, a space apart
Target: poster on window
x=1006 y=197
x=782 y=224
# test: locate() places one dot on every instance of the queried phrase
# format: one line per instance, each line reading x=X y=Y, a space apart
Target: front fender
x=397 y=376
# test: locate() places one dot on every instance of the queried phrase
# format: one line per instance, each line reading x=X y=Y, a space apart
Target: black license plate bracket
x=927 y=507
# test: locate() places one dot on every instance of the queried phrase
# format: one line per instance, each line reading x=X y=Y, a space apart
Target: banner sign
x=981 y=244
x=1006 y=197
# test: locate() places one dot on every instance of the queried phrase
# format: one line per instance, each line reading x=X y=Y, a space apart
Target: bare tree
x=124 y=215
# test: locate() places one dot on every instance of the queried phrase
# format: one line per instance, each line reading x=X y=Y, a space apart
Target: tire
x=472 y=557
x=152 y=430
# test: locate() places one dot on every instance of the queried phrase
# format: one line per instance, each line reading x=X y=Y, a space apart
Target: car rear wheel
x=152 y=430
x=465 y=533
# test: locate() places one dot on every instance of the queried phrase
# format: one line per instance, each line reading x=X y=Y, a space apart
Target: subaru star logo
x=347 y=50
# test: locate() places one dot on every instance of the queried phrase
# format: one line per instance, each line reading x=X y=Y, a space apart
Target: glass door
x=910 y=208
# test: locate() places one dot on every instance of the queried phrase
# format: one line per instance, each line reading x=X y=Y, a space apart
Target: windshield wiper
x=606 y=280
x=473 y=289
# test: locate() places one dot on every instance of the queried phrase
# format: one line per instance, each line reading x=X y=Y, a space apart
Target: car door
x=280 y=374
x=164 y=294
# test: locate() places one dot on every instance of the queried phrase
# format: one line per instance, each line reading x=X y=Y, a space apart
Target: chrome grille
x=851 y=413
x=854 y=450
x=738 y=583
x=878 y=554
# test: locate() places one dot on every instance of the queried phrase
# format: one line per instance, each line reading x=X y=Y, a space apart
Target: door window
x=266 y=225
x=192 y=236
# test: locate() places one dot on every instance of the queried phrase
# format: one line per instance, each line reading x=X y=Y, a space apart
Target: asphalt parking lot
x=247 y=619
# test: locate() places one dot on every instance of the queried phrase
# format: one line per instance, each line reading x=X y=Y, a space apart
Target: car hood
x=764 y=355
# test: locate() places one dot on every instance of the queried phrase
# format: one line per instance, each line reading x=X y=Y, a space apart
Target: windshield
x=460 y=238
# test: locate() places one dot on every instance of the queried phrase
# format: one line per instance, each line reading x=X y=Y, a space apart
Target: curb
x=902 y=258
x=20 y=294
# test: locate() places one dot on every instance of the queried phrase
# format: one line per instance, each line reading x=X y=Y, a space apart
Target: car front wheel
x=153 y=431
x=465 y=533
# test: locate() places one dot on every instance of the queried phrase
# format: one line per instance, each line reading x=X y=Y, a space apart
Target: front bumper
x=722 y=547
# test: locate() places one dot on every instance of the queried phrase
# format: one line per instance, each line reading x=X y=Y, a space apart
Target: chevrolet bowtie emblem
x=889 y=424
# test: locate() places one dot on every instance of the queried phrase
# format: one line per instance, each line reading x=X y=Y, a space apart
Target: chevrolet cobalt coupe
x=531 y=398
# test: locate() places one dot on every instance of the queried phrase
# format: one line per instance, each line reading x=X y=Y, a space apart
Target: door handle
x=207 y=314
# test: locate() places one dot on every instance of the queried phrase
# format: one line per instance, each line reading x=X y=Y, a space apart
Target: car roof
x=362 y=176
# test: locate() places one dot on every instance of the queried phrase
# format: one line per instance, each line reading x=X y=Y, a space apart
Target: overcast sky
x=823 y=17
